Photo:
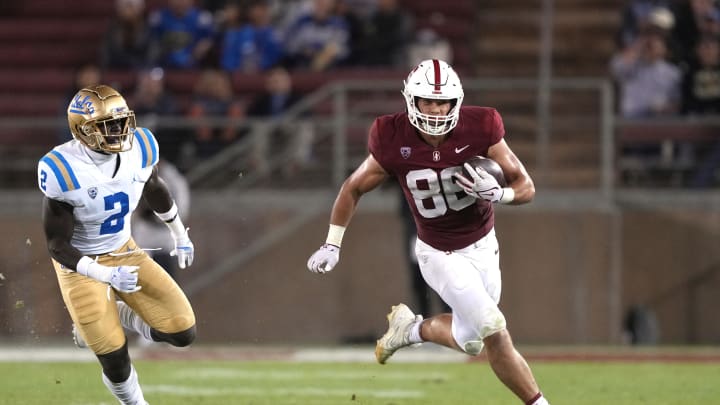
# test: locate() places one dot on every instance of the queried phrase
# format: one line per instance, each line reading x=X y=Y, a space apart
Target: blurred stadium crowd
x=668 y=64
x=204 y=49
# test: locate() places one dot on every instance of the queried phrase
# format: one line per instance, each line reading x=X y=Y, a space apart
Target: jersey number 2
x=434 y=193
x=115 y=222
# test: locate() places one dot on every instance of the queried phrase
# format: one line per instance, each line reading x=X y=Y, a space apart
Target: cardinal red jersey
x=446 y=217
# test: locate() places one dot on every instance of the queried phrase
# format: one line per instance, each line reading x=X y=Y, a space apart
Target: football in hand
x=487 y=164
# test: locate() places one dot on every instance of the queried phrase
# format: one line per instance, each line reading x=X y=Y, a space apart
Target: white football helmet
x=433 y=79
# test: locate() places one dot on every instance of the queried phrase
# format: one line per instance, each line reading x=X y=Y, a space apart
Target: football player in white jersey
x=91 y=185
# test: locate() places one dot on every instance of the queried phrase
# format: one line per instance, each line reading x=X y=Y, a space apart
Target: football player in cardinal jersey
x=91 y=185
x=425 y=148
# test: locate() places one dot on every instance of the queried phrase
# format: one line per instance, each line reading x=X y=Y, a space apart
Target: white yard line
x=184 y=390
x=427 y=353
x=44 y=354
x=235 y=373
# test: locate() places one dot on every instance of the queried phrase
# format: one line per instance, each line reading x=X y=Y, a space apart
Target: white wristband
x=508 y=195
x=170 y=215
x=173 y=221
x=90 y=268
x=335 y=235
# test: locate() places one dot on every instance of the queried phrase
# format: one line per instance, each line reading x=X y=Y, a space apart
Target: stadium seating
x=43 y=41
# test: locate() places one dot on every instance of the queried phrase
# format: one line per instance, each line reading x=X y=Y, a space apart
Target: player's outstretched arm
x=158 y=197
x=365 y=178
x=515 y=173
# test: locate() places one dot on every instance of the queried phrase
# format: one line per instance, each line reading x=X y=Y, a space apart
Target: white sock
x=540 y=401
x=127 y=392
x=131 y=320
x=142 y=328
x=415 y=332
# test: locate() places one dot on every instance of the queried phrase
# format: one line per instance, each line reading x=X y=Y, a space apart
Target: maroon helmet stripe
x=436 y=68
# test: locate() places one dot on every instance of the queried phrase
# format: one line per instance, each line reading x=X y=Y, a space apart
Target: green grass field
x=259 y=383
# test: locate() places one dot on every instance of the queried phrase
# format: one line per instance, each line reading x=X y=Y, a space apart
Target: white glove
x=121 y=278
x=184 y=250
x=324 y=259
x=483 y=185
x=124 y=279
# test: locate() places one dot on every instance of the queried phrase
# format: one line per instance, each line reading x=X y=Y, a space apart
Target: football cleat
x=79 y=341
x=400 y=320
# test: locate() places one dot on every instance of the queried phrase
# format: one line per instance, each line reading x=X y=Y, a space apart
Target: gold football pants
x=91 y=304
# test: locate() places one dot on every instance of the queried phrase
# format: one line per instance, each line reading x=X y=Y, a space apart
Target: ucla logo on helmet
x=82 y=105
x=92 y=192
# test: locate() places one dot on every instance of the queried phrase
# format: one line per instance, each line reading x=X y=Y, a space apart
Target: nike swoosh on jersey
x=458 y=150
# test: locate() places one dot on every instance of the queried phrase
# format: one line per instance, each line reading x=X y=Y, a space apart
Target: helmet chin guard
x=435 y=80
x=99 y=117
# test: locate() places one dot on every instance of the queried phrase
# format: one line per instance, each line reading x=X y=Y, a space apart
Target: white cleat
x=79 y=341
x=400 y=320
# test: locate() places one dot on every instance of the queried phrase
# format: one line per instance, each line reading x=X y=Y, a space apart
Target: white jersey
x=102 y=205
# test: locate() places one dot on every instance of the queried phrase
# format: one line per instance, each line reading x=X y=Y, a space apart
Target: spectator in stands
x=181 y=35
x=152 y=102
x=356 y=31
x=649 y=84
x=318 y=40
x=286 y=12
x=693 y=20
x=649 y=87
x=638 y=15
x=254 y=46
x=276 y=99
x=127 y=40
x=702 y=97
x=87 y=75
x=213 y=98
x=701 y=83
x=387 y=33
x=428 y=45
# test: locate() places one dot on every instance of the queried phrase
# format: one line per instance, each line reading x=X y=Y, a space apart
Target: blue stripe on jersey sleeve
x=71 y=173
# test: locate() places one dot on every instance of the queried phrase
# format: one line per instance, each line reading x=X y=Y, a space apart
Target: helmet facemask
x=433 y=80
x=113 y=134
x=435 y=125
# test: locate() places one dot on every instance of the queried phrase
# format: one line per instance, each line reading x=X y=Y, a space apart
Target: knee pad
x=179 y=339
x=473 y=347
x=470 y=335
x=116 y=364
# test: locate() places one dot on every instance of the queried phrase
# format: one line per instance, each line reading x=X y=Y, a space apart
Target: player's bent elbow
x=57 y=251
